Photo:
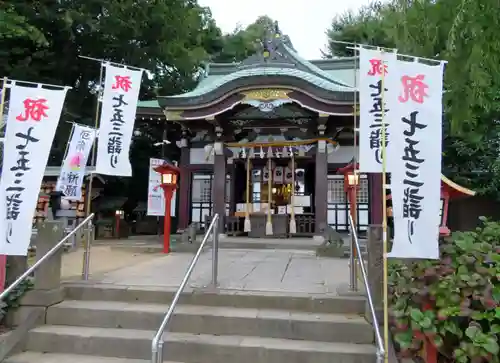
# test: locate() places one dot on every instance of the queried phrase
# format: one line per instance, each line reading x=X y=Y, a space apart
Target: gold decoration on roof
x=266 y=95
x=173 y=115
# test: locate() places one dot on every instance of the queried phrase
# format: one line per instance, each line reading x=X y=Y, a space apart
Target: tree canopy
x=41 y=41
x=464 y=33
x=242 y=42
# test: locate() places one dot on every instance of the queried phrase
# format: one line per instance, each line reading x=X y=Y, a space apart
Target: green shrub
x=453 y=302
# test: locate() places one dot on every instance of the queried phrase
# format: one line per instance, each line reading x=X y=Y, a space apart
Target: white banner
x=32 y=121
x=70 y=181
x=119 y=105
x=156 y=199
x=416 y=160
x=371 y=65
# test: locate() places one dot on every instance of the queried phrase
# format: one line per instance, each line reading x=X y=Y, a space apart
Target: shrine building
x=262 y=142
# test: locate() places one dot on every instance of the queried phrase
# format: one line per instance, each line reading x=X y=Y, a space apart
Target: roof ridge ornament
x=270 y=49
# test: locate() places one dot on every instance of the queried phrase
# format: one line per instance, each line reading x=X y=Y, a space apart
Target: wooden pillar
x=232 y=192
x=377 y=192
x=184 y=186
x=321 y=189
x=219 y=184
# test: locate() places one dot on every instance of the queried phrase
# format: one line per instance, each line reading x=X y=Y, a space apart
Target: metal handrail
x=378 y=336
x=45 y=257
x=157 y=343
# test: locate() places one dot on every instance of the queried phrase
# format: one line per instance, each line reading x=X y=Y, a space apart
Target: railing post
x=86 y=252
x=160 y=351
x=353 y=268
x=215 y=251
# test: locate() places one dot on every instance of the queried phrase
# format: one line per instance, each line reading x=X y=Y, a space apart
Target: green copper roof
x=206 y=87
x=313 y=68
x=148 y=104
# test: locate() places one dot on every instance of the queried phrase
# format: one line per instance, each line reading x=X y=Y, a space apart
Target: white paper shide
x=375 y=99
x=416 y=160
x=119 y=105
x=32 y=121
x=156 y=198
x=70 y=181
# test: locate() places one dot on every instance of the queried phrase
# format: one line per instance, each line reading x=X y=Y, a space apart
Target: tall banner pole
x=2 y=97
x=3 y=258
x=94 y=145
x=86 y=250
x=384 y=214
x=354 y=204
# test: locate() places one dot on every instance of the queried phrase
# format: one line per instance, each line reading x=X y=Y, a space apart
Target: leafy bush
x=453 y=302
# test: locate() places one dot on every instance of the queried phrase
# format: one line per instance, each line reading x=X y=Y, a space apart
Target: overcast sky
x=305 y=21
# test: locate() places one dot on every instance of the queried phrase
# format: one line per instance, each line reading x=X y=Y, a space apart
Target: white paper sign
x=70 y=181
x=372 y=64
x=119 y=105
x=32 y=121
x=156 y=199
x=416 y=160
x=278 y=176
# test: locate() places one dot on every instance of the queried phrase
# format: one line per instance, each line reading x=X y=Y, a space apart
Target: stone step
x=38 y=357
x=230 y=298
x=214 y=320
x=307 y=244
x=193 y=348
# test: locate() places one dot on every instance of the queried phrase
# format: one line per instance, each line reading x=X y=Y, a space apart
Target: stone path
x=296 y=271
x=102 y=259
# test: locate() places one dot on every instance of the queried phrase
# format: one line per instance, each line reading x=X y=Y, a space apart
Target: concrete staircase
x=112 y=324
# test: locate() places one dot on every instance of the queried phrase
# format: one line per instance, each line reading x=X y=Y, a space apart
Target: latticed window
x=336 y=192
x=212 y=184
x=363 y=193
x=202 y=190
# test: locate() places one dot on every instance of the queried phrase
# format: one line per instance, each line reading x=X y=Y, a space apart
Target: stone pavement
x=287 y=271
x=102 y=259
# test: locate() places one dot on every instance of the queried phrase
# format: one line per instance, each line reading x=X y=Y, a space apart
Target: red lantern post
x=169 y=178
x=351 y=185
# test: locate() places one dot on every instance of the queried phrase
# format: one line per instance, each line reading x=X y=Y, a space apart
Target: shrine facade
x=262 y=141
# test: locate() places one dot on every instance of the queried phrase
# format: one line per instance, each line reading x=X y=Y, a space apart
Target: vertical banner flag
x=156 y=199
x=119 y=105
x=32 y=121
x=70 y=180
x=372 y=63
x=416 y=160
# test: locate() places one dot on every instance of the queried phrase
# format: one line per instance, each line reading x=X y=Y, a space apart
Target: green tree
x=40 y=41
x=170 y=39
x=15 y=26
x=243 y=42
x=464 y=33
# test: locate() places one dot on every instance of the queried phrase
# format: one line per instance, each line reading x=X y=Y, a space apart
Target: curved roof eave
x=321 y=90
x=266 y=71
x=304 y=77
